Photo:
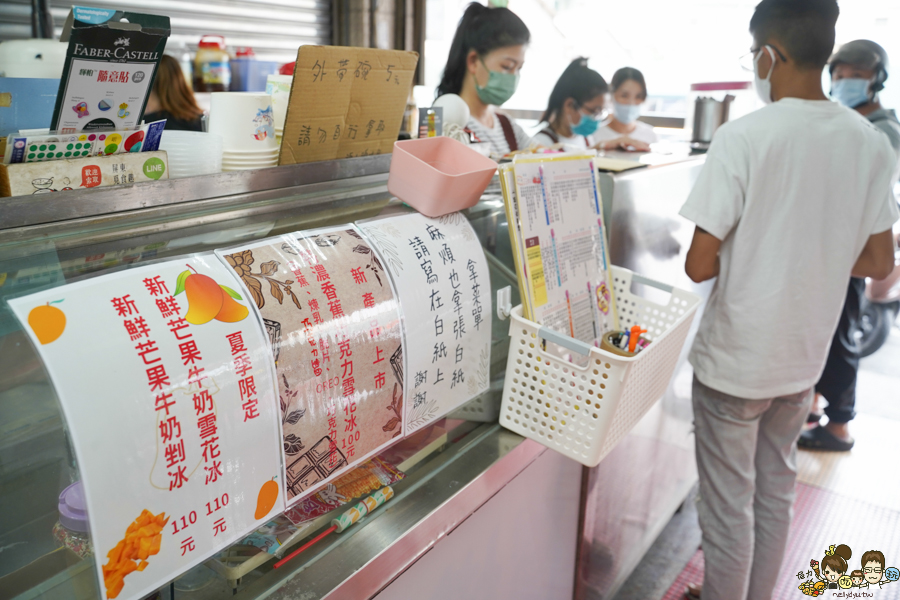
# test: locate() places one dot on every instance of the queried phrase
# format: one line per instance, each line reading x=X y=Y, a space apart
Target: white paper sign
x=166 y=383
x=444 y=287
x=336 y=340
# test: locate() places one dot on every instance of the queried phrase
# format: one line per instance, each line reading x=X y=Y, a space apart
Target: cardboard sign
x=444 y=288
x=110 y=67
x=23 y=179
x=346 y=102
x=334 y=326
x=167 y=387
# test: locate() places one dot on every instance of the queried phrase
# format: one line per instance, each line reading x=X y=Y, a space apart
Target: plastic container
x=212 y=65
x=192 y=153
x=34 y=58
x=583 y=412
x=249 y=74
x=71 y=531
x=439 y=175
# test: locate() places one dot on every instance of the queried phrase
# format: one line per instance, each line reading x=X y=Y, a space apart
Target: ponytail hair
x=481 y=29
x=628 y=74
x=578 y=82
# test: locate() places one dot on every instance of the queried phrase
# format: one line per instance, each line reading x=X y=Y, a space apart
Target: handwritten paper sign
x=345 y=102
x=167 y=389
x=335 y=331
x=444 y=287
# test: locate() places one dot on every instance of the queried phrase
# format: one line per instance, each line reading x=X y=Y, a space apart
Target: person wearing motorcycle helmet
x=858 y=72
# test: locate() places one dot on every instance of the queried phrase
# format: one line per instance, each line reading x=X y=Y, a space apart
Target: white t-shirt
x=581 y=142
x=793 y=190
x=643 y=133
x=495 y=136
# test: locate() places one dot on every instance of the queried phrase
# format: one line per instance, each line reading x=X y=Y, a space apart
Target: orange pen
x=636 y=332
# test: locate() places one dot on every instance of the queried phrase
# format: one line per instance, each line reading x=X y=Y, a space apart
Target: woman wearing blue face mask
x=576 y=109
x=629 y=91
x=486 y=55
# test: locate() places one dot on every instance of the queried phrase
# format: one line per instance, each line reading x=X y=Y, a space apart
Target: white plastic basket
x=583 y=412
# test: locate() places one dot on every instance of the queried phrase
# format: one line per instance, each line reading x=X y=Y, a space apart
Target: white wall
x=521 y=544
x=674 y=42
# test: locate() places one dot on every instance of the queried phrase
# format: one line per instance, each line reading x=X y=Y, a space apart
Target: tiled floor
x=848 y=498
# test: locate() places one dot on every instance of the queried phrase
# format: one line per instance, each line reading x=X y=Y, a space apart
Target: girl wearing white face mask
x=629 y=91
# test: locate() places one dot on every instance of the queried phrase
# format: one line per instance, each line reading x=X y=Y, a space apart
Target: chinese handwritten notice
x=164 y=377
x=444 y=288
x=335 y=326
x=346 y=102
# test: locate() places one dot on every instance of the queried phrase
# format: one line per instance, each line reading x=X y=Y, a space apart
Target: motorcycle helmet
x=866 y=54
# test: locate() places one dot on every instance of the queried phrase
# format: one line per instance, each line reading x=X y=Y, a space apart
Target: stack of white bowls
x=279 y=87
x=246 y=122
x=192 y=153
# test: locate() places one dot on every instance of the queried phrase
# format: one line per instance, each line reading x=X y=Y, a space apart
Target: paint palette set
x=49 y=146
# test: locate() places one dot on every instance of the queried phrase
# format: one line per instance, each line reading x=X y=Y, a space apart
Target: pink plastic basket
x=438 y=175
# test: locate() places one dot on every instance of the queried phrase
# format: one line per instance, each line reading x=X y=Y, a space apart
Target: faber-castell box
x=110 y=66
x=98 y=171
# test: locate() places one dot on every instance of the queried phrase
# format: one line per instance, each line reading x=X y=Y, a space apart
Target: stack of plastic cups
x=245 y=121
x=279 y=87
x=192 y=153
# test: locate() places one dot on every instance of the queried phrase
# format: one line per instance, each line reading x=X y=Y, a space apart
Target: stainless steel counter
x=633 y=493
x=626 y=500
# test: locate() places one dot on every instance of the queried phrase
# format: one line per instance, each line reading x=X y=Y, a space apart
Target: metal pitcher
x=709 y=114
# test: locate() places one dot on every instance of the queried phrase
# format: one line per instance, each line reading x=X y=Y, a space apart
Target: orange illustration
x=268 y=494
x=47 y=322
x=207 y=300
x=142 y=540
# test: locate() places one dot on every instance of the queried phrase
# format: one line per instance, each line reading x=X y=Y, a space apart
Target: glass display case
x=450 y=469
x=83 y=234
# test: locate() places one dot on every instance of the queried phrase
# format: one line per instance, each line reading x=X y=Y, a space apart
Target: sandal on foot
x=693 y=591
x=820 y=438
x=814 y=417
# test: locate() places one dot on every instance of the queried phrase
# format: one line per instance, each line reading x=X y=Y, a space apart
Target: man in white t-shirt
x=793 y=198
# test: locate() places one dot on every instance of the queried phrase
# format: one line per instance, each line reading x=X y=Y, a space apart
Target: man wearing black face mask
x=858 y=72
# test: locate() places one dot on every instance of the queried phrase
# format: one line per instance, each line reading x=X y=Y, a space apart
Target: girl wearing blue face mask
x=576 y=109
x=629 y=91
x=486 y=55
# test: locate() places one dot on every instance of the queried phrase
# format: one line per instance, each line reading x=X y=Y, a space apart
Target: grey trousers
x=746 y=457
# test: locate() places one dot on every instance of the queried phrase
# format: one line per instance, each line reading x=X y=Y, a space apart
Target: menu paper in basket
x=167 y=389
x=560 y=230
x=444 y=287
x=346 y=102
x=335 y=334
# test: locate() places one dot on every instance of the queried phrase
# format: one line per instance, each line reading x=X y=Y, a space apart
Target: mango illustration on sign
x=207 y=300
x=142 y=540
x=47 y=322
x=268 y=494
